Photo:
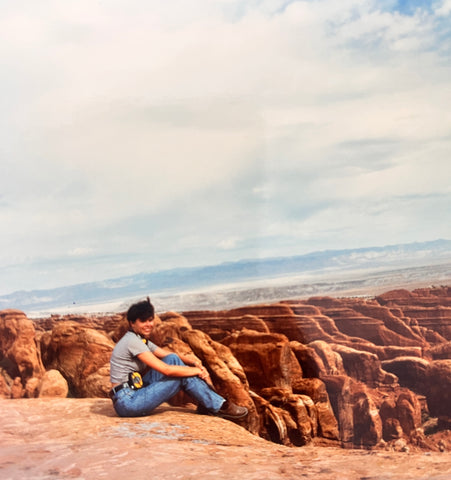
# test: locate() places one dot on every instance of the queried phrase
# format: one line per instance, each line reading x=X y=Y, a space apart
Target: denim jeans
x=160 y=388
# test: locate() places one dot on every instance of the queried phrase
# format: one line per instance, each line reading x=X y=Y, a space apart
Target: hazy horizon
x=334 y=272
x=149 y=135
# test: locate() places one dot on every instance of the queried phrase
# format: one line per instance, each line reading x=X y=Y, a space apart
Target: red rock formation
x=395 y=323
x=438 y=390
x=348 y=337
x=401 y=415
x=352 y=323
x=315 y=389
x=311 y=363
x=441 y=351
x=364 y=367
x=411 y=371
x=220 y=324
x=298 y=409
x=266 y=358
x=408 y=412
x=17 y=390
x=331 y=361
x=53 y=384
x=78 y=353
x=5 y=389
x=105 y=323
x=359 y=422
x=430 y=308
x=18 y=348
x=357 y=370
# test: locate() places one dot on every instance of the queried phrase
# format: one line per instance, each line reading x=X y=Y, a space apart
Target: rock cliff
x=354 y=372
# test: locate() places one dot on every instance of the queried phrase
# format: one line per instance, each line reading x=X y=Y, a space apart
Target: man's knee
x=172 y=359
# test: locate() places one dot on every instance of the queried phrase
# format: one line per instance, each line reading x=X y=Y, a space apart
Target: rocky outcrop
x=266 y=358
x=357 y=372
x=226 y=372
x=438 y=391
x=358 y=419
x=83 y=439
x=81 y=355
x=364 y=367
x=19 y=353
x=287 y=415
x=355 y=321
x=220 y=324
x=426 y=308
x=411 y=371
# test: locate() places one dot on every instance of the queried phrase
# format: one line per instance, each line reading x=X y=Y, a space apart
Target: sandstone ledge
x=84 y=439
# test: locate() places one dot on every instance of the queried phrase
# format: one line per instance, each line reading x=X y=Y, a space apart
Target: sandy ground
x=84 y=439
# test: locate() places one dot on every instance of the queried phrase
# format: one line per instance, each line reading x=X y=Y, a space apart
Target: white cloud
x=444 y=9
x=228 y=243
x=80 y=252
x=222 y=124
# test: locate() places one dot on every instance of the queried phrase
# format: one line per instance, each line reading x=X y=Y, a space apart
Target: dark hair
x=141 y=310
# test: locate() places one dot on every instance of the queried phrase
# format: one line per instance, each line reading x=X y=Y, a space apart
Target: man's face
x=143 y=327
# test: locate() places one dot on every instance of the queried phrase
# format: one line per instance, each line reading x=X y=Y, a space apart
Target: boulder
x=17 y=389
x=53 y=384
x=285 y=418
x=392 y=429
x=32 y=387
x=97 y=384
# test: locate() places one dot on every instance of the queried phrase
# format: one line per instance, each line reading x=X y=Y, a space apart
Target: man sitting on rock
x=144 y=375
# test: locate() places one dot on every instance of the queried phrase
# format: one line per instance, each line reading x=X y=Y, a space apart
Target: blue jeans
x=160 y=388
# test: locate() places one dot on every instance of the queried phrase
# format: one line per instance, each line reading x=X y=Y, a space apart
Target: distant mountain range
x=233 y=276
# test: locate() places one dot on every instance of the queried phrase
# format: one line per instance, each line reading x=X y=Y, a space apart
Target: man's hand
x=204 y=374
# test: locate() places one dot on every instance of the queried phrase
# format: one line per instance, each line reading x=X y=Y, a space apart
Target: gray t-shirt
x=124 y=357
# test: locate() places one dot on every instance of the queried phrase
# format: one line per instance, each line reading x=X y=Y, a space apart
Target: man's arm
x=153 y=360
x=188 y=359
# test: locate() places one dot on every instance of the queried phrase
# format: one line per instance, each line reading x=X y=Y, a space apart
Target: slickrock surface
x=84 y=439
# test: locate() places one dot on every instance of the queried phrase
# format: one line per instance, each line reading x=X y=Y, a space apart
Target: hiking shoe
x=231 y=411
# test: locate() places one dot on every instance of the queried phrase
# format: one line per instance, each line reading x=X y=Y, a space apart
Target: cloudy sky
x=140 y=135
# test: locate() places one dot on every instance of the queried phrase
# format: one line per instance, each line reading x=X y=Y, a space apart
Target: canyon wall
x=355 y=372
